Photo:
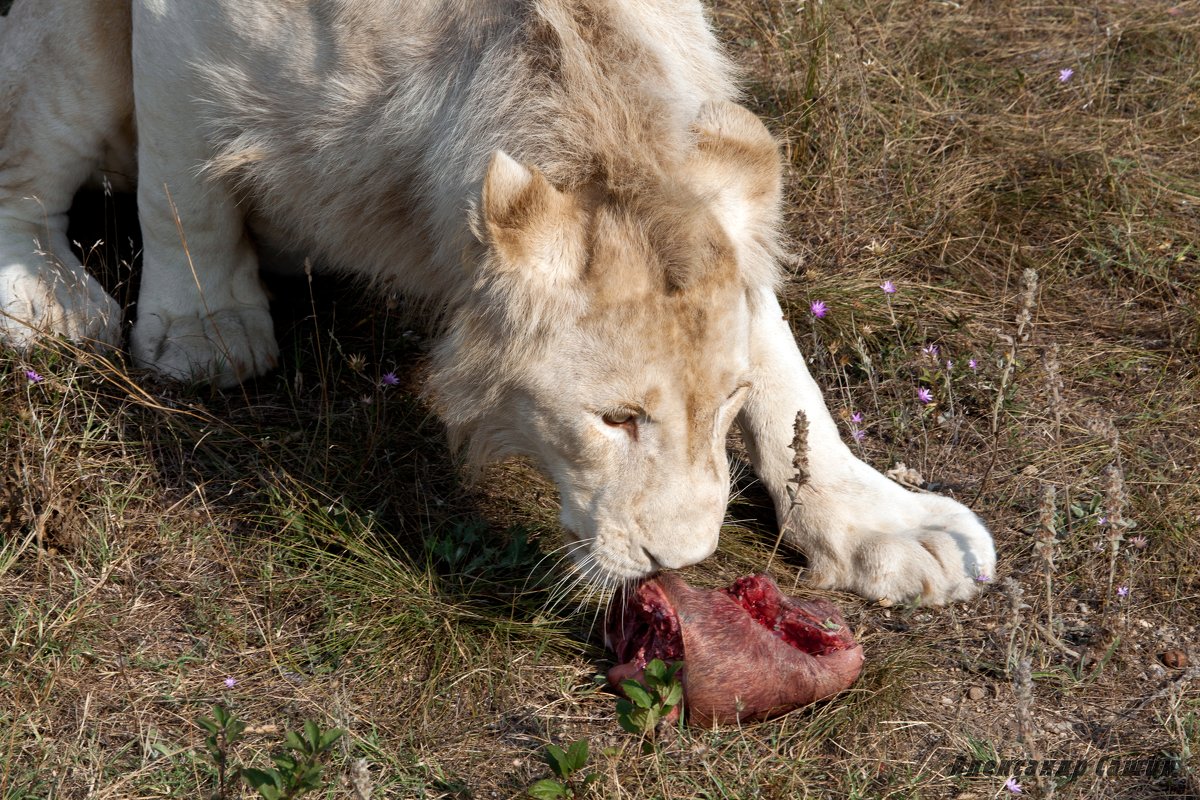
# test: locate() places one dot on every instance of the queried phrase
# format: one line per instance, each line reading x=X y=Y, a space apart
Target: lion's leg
x=859 y=530
x=65 y=107
x=202 y=311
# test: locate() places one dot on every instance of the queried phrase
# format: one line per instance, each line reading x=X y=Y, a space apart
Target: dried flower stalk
x=1054 y=387
x=1016 y=605
x=800 y=464
x=1046 y=545
x=1029 y=283
x=1115 y=501
x=800 y=449
x=360 y=780
x=1023 y=691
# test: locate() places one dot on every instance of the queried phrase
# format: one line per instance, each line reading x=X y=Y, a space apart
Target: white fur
x=566 y=181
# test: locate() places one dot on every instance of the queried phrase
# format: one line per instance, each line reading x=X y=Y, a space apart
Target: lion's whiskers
x=562 y=553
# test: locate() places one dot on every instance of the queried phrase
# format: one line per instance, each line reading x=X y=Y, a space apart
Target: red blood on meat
x=644 y=628
x=796 y=624
x=749 y=651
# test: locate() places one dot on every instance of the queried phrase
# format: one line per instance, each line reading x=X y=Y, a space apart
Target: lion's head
x=606 y=335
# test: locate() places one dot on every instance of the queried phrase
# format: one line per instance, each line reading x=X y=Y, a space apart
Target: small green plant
x=645 y=705
x=470 y=551
x=224 y=731
x=566 y=765
x=295 y=772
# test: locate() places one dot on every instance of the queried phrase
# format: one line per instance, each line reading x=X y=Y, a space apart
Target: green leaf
x=209 y=725
x=673 y=696
x=637 y=693
x=165 y=750
x=547 y=789
x=313 y=732
x=329 y=737
x=656 y=670
x=577 y=755
x=308 y=778
x=294 y=741
x=267 y=782
x=556 y=757
x=628 y=724
x=644 y=719
x=286 y=763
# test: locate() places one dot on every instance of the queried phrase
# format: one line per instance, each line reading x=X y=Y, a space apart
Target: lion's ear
x=736 y=152
x=526 y=219
x=737 y=162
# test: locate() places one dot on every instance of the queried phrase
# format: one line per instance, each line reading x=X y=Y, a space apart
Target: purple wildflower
x=856 y=416
x=33 y=376
x=1122 y=591
x=858 y=434
x=1102 y=521
x=230 y=682
x=1139 y=542
x=973 y=364
x=389 y=379
x=888 y=287
x=818 y=309
x=1012 y=785
x=930 y=350
x=924 y=395
x=949 y=365
x=1064 y=75
x=983 y=577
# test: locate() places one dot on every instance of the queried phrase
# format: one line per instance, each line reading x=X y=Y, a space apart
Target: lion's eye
x=619 y=418
x=624 y=418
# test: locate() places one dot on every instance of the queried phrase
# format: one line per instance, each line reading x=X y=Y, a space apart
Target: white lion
x=569 y=180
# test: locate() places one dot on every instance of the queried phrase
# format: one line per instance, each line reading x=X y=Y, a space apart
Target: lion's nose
x=681 y=552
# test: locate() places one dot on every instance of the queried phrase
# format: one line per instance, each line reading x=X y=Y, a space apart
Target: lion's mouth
x=598 y=564
x=749 y=651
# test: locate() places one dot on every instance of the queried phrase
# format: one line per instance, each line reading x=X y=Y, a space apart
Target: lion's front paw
x=899 y=546
x=224 y=347
x=55 y=301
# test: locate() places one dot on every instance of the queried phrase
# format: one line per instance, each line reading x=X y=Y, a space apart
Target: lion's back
x=389 y=112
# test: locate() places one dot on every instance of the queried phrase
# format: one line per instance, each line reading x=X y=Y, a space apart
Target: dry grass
x=309 y=536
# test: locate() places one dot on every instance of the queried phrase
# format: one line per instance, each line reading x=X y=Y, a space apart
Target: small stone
x=1174 y=658
x=976 y=693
